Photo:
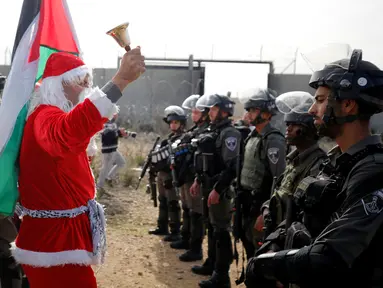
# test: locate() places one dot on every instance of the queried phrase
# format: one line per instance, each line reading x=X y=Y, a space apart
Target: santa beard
x=59 y=100
x=84 y=94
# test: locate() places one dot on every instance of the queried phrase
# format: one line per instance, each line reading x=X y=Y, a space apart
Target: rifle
x=151 y=188
x=206 y=184
x=173 y=166
x=237 y=229
x=238 y=225
x=147 y=162
x=269 y=220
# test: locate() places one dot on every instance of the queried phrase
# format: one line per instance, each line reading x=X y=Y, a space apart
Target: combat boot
x=175 y=222
x=185 y=231
x=216 y=281
x=191 y=256
x=160 y=231
x=207 y=267
x=224 y=258
x=195 y=252
x=162 y=222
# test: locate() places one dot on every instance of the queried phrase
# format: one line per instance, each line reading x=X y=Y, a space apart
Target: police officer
x=169 y=207
x=304 y=161
x=348 y=252
x=218 y=153
x=192 y=231
x=264 y=161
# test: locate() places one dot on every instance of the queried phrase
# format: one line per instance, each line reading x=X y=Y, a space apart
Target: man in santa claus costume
x=63 y=229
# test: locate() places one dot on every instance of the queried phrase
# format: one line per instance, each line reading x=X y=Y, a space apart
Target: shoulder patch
x=273 y=154
x=231 y=143
x=373 y=203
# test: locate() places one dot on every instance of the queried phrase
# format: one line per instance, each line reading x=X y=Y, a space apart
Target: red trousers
x=73 y=276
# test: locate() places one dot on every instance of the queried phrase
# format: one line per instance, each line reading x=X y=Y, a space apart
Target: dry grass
x=135 y=152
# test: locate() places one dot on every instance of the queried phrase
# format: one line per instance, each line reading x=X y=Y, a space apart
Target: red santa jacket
x=55 y=175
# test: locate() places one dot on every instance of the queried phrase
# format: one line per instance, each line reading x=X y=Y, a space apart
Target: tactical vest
x=367 y=269
x=255 y=173
x=289 y=181
x=184 y=155
x=207 y=158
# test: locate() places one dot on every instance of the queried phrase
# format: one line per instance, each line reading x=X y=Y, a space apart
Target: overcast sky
x=219 y=29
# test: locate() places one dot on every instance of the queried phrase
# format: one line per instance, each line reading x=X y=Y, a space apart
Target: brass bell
x=121 y=35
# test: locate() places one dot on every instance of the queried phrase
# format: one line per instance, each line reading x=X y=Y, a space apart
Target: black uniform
x=192 y=231
x=169 y=207
x=221 y=148
x=347 y=253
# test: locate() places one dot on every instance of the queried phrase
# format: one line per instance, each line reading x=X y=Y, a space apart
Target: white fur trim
x=92 y=147
x=48 y=259
x=103 y=104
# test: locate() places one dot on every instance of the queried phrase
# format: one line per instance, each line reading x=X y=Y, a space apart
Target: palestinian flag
x=45 y=27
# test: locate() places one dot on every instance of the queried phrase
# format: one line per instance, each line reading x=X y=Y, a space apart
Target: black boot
x=216 y=281
x=207 y=267
x=175 y=221
x=163 y=218
x=195 y=251
x=185 y=231
x=10 y=273
x=224 y=258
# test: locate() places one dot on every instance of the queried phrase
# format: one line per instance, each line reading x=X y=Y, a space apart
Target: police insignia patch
x=273 y=154
x=231 y=143
x=373 y=203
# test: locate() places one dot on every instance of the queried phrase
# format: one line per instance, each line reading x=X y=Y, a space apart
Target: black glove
x=254 y=276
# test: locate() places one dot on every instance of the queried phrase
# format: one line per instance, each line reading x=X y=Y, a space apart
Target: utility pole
x=191 y=69
x=295 y=60
x=261 y=53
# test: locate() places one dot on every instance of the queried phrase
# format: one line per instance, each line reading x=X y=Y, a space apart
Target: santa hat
x=61 y=67
x=66 y=66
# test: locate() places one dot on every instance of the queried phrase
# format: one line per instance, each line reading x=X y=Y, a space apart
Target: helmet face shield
x=255 y=94
x=174 y=112
x=258 y=98
x=295 y=106
x=173 y=109
x=294 y=102
x=208 y=101
x=190 y=102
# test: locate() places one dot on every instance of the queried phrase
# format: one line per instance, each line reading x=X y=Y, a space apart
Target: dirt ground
x=135 y=258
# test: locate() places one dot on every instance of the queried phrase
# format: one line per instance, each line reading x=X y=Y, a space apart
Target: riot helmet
x=190 y=102
x=223 y=102
x=198 y=116
x=174 y=112
x=295 y=106
x=351 y=79
x=263 y=99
